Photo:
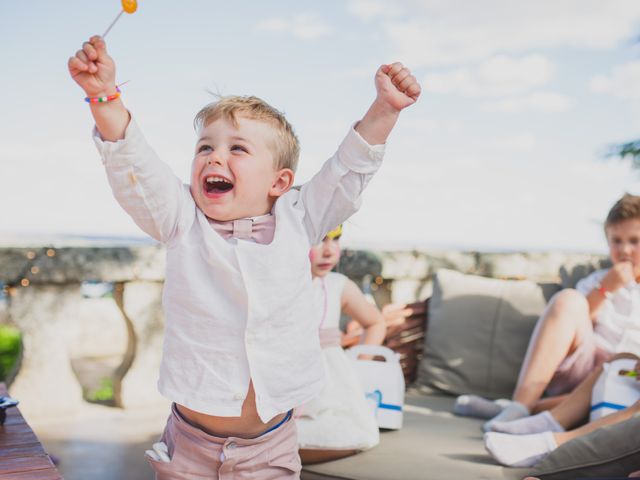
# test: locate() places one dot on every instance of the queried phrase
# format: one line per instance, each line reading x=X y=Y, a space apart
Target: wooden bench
x=22 y=456
x=407 y=339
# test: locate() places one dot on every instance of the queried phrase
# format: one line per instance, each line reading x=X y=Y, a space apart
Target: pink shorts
x=198 y=455
x=579 y=364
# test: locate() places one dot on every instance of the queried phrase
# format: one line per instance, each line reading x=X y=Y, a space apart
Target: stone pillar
x=47 y=316
x=142 y=302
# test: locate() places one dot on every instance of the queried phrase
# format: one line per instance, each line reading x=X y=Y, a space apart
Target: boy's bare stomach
x=247 y=425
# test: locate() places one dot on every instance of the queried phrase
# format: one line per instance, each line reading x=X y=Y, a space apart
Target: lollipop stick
x=112 y=24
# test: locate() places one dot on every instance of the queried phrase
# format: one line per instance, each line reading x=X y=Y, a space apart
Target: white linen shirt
x=617 y=326
x=238 y=311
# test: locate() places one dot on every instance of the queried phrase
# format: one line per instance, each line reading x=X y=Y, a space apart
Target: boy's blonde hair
x=627 y=208
x=286 y=148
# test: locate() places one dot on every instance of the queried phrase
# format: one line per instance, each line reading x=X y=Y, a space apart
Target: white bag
x=382 y=382
x=613 y=392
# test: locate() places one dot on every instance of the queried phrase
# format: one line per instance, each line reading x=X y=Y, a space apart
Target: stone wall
x=42 y=288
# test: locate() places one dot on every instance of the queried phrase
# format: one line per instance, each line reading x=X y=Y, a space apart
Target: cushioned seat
x=478 y=331
x=612 y=451
x=433 y=444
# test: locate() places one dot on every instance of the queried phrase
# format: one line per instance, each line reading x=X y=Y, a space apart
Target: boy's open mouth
x=215 y=184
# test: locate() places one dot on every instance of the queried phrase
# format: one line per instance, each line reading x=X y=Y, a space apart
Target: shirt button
x=238 y=396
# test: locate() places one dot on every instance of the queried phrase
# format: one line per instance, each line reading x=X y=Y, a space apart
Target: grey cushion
x=433 y=444
x=478 y=332
x=612 y=451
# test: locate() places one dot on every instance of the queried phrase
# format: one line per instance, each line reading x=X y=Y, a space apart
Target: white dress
x=340 y=417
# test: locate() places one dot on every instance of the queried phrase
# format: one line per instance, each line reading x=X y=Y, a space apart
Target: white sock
x=476 y=406
x=542 y=422
x=513 y=411
x=519 y=450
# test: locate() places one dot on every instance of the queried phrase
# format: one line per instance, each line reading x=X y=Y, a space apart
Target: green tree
x=629 y=149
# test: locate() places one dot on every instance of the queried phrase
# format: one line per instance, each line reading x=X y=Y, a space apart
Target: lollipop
x=128 y=6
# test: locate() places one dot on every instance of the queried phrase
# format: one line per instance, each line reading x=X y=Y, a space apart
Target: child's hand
x=396 y=314
x=618 y=276
x=93 y=69
x=396 y=86
x=397 y=89
x=632 y=373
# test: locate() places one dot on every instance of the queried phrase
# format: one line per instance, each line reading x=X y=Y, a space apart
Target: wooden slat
x=47 y=474
x=22 y=456
x=407 y=339
x=27 y=463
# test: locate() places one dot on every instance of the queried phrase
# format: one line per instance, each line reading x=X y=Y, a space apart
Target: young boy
x=237 y=358
x=582 y=328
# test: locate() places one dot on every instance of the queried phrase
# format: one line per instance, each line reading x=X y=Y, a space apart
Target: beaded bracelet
x=103 y=99
x=603 y=291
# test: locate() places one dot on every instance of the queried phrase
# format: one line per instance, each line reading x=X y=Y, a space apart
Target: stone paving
x=102 y=443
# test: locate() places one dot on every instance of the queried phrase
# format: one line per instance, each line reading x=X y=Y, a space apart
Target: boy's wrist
x=103 y=92
x=382 y=107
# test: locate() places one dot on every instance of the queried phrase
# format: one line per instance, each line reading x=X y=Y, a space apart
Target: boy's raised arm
x=396 y=89
x=95 y=72
x=334 y=193
x=143 y=185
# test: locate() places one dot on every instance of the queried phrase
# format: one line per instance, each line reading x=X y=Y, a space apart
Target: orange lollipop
x=128 y=6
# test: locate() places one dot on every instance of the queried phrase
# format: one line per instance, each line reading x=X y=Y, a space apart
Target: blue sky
x=503 y=151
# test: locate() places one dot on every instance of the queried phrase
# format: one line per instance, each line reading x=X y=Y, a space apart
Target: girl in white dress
x=339 y=422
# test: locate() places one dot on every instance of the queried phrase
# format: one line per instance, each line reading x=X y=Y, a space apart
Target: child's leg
x=561 y=353
x=197 y=454
x=271 y=456
x=548 y=403
x=527 y=450
x=560 y=331
x=574 y=409
x=612 y=419
x=191 y=452
x=571 y=411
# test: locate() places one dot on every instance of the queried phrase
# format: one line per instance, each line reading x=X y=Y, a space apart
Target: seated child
x=339 y=422
x=581 y=328
x=241 y=348
x=394 y=314
x=526 y=441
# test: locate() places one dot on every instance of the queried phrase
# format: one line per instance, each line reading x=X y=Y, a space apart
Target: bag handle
x=376 y=350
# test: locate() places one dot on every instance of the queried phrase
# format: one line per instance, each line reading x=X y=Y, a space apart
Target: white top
x=340 y=417
x=329 y=291
x=617 y=325
x=236 y=310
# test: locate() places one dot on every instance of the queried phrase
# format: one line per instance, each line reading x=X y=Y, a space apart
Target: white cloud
x=457 y=31
x=274 y=25
x=521 y=142
x=499 y=75
x=355 y=72
x=432 y=126
x=306 y=26
x=548 y=102
x=623 y=82
x=369 y=9
x=485 y=202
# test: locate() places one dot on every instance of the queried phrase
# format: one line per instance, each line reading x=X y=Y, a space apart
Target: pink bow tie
x=259 y=229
